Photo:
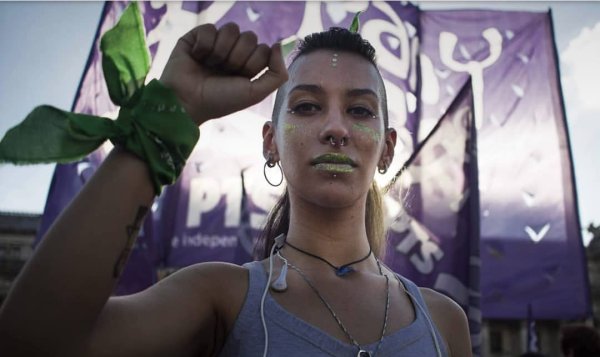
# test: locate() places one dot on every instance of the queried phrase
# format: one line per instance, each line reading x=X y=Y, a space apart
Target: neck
x=337 y=235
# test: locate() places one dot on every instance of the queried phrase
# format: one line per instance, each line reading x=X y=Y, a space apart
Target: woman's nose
x=335 y=130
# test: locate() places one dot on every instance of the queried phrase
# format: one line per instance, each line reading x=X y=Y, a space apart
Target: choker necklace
x=361 y=352
x=340 y=271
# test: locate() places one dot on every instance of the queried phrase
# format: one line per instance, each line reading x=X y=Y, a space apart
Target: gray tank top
x=290 y=336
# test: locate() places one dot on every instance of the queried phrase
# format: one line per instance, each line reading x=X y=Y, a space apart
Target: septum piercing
x=334 y=142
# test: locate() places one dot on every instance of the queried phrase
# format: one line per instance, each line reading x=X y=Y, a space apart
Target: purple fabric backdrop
x=434 y=238
x=531 y=246
x=207 y=215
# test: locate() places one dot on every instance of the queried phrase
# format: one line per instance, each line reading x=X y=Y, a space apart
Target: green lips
x=334 y=167
x=334 y=162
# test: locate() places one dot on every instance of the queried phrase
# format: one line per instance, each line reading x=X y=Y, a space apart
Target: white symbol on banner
x=529 y=198
x=523 y=58
x=338 y=11
x=447 y=45
x=537 y=236
x=252 y=15
x=175 y=242
x=393 y=42
x=433 y=176
x=373 y=29
x=81 y=167
x=205 y=194
x=430 y=252
x=430 y=89
x=518 y=90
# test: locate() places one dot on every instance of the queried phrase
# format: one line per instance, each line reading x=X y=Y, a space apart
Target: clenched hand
x=211 y=69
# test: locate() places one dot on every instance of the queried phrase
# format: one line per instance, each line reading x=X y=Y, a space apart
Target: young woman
x=321 y=289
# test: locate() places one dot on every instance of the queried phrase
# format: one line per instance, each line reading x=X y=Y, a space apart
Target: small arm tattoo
x=131 y=230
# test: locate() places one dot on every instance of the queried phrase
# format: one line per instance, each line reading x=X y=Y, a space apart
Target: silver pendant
x=363 y=353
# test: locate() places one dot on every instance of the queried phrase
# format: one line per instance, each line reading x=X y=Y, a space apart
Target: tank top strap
x=256 y=280
x=422 y=311
x=256 y=283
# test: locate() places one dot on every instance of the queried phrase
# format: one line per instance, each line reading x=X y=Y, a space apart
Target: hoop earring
x=270 y=163
x=382 y=170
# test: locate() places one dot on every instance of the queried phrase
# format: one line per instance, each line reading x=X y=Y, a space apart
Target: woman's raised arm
x=58 y=305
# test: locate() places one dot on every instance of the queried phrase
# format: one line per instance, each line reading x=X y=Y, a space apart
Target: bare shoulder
x=225 y=283
x=215 y=272
x=451 y=321
x=190 y=312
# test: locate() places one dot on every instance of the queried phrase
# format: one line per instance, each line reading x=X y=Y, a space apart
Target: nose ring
x=333 y=142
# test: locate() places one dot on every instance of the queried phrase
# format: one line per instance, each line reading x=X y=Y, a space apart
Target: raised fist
x=211 y=71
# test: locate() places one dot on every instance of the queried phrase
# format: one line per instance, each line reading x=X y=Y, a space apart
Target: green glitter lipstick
x=334 y=162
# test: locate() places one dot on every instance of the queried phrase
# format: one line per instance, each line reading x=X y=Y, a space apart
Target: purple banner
x=434 y=235
x=531 y=247
x=209 y=215
x=530 y=241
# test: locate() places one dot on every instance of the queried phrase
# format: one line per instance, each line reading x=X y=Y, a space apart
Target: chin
x=334 y=193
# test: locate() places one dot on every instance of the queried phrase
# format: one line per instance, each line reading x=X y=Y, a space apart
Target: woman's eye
x=361 y=112
x=305 y=109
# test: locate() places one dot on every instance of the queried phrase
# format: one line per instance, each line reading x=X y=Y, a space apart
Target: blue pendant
x=343 y=270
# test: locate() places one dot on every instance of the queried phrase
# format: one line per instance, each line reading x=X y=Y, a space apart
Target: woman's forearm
x=62 y=289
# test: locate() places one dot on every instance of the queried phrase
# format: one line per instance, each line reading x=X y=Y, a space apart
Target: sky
x=45 y=46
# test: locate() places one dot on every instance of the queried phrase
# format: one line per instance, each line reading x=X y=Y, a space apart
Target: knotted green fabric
x=151 y=122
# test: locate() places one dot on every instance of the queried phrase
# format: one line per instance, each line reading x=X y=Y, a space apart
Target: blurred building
x=509 y=338
x=593 y=256
x=17 y=232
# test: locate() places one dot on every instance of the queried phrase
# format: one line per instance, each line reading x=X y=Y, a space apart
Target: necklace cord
x=336 y=268
x=332 y=312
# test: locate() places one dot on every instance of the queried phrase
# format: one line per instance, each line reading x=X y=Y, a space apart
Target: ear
x=387 y=155
x=269 y=144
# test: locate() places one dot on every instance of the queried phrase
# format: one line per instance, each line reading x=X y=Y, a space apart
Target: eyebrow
x=317 y=89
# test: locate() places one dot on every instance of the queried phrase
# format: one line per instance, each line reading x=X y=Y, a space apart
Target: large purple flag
x=211 y=213
x=434 y=235
x=531 y=249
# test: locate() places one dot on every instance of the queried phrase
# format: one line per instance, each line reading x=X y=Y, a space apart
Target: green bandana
x=151 y=122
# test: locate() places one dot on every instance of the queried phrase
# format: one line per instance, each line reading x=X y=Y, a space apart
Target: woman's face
x=331 y=97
